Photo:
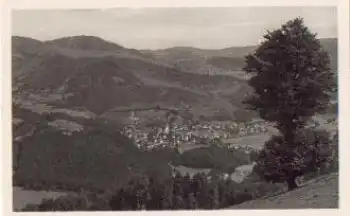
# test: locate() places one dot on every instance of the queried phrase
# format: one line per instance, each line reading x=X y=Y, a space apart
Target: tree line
x=176 y=192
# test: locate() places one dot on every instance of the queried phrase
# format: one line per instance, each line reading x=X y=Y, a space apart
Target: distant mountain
x=90 y=73
x=200 y=61
x=221 y=61
x=24 y=52
x=28 y=46
x=28 y=52
x=83 y=42
x=85 y=76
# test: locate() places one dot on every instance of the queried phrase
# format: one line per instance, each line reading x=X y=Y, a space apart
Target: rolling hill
x=222 y=61
x=92 y=74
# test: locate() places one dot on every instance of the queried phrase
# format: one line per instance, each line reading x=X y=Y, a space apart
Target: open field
x=23 y=197
x=254 y=141
x=189 y=146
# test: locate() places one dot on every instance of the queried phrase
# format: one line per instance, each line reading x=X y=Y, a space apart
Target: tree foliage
x=176 y=192
x=277 y=162
x=292 y=81
x=182 y=192
x=292 y=76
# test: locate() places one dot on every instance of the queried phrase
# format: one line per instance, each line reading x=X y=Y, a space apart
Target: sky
x=158 y=28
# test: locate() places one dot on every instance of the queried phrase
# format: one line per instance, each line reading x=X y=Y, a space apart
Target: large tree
x=291 y=80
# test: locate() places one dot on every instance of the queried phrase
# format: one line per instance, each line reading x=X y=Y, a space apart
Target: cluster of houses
x=252 y=128
x=172 y=136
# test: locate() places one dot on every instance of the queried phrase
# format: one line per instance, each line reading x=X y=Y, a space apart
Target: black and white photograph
x=174 y=108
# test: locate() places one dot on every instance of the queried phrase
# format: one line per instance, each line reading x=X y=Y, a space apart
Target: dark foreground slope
x=321 y=192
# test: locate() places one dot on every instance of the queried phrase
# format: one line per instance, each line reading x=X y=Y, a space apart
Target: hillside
x=213 y=62
x=89 y=73
x=85 y=43
x=50 y=157
x=321 y=192
x=222 y=61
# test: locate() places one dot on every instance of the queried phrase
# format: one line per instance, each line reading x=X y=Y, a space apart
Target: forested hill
x=95 y=75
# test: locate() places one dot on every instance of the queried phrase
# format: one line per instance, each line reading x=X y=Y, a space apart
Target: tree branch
x=260 y=60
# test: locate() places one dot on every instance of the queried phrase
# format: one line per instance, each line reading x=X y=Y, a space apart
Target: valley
x=77 y=121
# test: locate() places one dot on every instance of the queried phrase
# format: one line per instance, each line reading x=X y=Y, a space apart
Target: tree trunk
x=292 y=183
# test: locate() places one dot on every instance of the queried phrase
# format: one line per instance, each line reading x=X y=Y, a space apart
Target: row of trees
x=177 y=192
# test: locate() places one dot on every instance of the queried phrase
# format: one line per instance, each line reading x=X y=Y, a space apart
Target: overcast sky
x=154 y=28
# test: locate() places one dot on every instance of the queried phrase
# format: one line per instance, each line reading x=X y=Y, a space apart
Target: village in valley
x=149 y=109
x=192 y=135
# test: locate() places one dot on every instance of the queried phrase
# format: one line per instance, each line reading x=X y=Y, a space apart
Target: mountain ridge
x=156 y=49
x=169 y=77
